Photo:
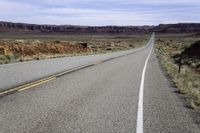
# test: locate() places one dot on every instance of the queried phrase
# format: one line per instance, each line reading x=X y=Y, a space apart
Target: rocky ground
x=40 y=47
x=169 y=49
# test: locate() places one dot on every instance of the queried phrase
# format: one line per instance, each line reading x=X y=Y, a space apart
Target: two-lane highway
x=102 y=98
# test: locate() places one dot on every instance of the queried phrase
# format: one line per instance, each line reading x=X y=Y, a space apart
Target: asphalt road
x=101 y=99
x=12 y=75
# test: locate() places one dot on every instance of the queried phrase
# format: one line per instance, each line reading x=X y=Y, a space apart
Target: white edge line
x=139 y=127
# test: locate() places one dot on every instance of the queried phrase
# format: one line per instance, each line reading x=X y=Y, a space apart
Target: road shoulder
x=165 y=109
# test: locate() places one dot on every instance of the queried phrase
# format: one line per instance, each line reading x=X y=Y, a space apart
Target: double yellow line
x=28 y=86
x=44 y=80
x=37 y=83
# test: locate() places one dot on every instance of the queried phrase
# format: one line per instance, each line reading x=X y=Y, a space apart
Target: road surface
x=102 y=98
x=12 y=75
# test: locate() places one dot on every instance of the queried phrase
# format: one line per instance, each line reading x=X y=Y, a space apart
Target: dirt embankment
x=187 y=79
x=44 y=47
x=22 y=48
x=193 y=51
x=191 y=56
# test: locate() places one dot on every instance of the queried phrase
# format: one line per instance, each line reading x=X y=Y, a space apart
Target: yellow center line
x=36 y=84
x=97 y=62
x=29 y=85
x=8 y=91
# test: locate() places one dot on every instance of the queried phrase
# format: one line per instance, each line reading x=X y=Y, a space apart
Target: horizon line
x=2 y=21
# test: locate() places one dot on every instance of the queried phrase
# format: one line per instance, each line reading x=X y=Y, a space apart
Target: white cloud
x=149 y=2
x=35 y=12
x=156 y=2
x=14 y=8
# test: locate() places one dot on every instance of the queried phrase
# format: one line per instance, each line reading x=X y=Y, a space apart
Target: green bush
x=5 y=58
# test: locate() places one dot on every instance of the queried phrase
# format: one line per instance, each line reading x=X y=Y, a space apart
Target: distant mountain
x=177 y=28
x=162 y=28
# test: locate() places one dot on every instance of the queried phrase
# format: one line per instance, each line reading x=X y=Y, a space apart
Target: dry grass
x=188 y=80
x=44 y=47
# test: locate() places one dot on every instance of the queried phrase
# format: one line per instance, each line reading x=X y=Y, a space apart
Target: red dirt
x=46 y=48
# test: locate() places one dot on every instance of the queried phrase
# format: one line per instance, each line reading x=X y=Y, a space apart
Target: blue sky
x=100 y=12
